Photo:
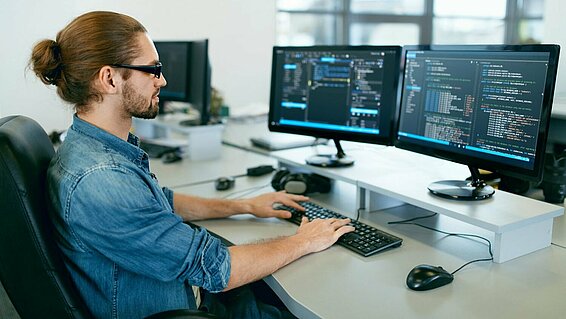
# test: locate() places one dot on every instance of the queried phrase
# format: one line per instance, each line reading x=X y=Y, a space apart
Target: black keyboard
x=156 y=150
x=365 y=240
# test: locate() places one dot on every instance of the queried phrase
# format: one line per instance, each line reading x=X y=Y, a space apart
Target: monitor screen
x=335 y=92
x=186 y=68
x=483 y=106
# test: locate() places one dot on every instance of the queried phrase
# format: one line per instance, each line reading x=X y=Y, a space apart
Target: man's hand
x=254 y=261
x=263 y=205
x=322 y=233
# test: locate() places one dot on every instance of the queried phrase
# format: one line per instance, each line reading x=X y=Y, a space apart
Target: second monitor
x=335 y=92
x=483 y=106
x=186 y=67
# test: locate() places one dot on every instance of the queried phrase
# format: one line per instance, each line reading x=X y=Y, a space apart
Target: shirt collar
x=130 y=149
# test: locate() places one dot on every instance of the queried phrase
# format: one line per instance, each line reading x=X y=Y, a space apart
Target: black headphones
x=300 y=183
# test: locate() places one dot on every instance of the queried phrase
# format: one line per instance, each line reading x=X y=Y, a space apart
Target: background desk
x=337 y=283
x=232 y=161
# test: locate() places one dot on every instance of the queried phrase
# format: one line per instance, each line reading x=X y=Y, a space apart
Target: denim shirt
x=127 y=252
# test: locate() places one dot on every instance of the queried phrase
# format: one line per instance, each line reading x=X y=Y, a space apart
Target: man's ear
x=108 y=80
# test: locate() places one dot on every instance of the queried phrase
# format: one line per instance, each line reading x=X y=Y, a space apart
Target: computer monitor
x=486 y=107
x=186 y=67
x=335 y=92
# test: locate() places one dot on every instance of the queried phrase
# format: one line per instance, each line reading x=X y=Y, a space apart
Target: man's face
x=140 y=93
x=139 y=105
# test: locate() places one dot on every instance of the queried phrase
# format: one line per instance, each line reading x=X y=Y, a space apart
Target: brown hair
x=89 y=42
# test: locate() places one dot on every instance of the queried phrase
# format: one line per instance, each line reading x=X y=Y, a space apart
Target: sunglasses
x=151 y=69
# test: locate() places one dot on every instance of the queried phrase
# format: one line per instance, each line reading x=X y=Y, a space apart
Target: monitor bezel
x=163 y=92
x=201 y=93
x=385 y=136
x=194 y=92
x=427 y=148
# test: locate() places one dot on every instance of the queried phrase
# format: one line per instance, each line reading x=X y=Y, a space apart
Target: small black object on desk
x=171 y=157
x=260 y=170
x=426 y=277
x=224 y=183
x=154 y=150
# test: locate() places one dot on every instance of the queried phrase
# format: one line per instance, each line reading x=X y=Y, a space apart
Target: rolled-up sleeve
x=124 y=217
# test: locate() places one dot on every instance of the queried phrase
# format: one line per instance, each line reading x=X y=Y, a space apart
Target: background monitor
x=483 y=106
x=186 y=67
x=335 y=92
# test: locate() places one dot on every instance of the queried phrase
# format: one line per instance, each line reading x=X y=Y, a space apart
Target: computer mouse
x=170 y=157
x=426 y=277
x=224 y=183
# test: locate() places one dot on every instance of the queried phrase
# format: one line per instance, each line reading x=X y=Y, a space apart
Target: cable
x=245 y=192
x=252 y=171
x=410 y=222
x=201 y=182
x=358 y=213
x=406 y=221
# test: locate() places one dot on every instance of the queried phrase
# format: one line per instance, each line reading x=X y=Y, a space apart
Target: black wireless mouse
x=224 y=183
x=426 y=277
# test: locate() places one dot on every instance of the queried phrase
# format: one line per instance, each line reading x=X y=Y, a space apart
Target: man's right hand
x=252 y=262
x=320 y=234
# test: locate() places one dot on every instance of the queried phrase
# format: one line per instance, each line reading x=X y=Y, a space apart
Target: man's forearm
x=252 y=262
x=197 y=208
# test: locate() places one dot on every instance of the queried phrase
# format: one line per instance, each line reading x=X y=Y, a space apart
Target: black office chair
x=31 y=267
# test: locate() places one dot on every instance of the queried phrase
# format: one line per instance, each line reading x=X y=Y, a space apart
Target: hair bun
x=56 y=49
x=51 y=73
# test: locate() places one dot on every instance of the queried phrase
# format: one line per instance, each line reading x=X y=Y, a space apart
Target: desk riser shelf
x=389 y=177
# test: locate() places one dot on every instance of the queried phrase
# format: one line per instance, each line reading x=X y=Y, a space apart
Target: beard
x=136 y=105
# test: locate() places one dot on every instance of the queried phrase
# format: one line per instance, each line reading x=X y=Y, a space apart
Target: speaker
x=300 y=183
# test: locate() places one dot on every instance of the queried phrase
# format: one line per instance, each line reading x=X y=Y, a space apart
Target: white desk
x=337 y=283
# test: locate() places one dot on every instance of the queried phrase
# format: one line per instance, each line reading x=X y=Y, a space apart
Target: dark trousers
x=253 y=301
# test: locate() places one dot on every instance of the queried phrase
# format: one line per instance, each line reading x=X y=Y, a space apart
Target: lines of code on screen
x=335 y=89
x=486 y=102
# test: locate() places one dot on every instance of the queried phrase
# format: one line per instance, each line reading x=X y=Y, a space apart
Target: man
x=122 y=235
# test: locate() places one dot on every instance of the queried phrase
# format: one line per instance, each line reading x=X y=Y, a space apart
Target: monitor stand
x=340 y=159
x=475 y=189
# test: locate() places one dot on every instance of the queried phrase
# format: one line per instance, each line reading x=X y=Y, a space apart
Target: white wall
x=554 y=25
x=241 y=33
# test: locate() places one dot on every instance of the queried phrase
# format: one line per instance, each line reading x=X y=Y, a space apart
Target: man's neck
x=108 y=120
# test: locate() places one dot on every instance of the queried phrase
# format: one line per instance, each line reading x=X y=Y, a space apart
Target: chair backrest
x=31 y=266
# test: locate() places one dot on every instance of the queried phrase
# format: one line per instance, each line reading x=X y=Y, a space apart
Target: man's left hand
x=264 y=205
